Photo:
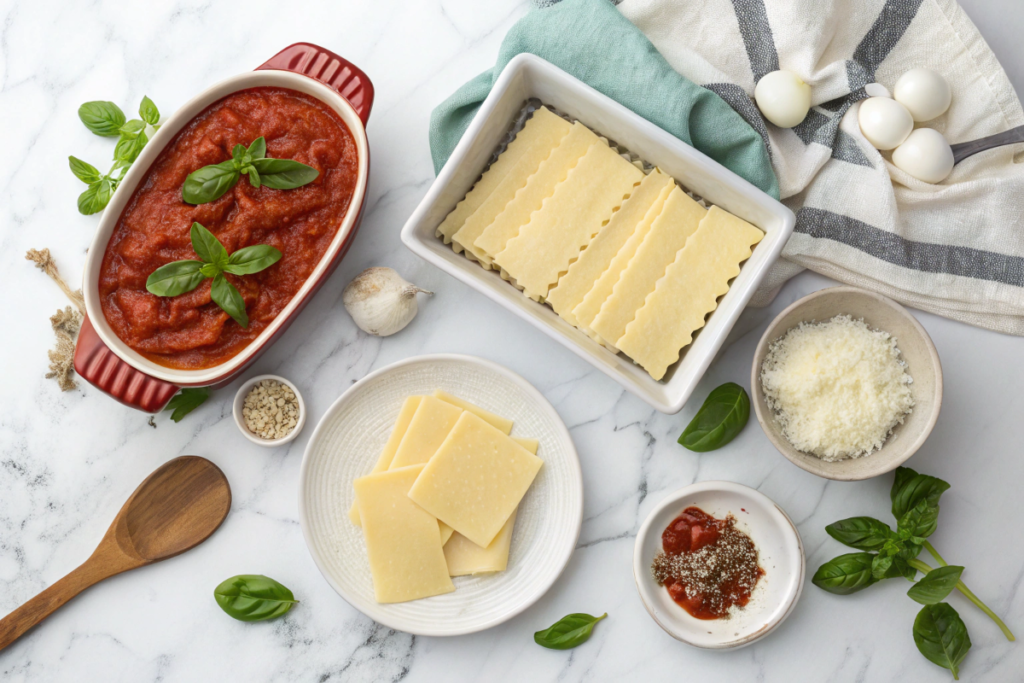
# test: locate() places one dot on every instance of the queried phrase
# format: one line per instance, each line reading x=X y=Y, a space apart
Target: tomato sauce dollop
x=707 y=565
x=189 y=331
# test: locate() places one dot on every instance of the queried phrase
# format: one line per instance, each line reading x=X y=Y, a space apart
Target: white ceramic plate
x=528 y=76
x=780 y=553
x=345 y=446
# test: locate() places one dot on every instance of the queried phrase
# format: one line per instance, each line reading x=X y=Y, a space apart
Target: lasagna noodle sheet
x=678 y=220
x=596 y=258
x=494 y=175
x=590 y=306
x=568 y=220
x=539 y=187
x=689 y=291
x=544 y=140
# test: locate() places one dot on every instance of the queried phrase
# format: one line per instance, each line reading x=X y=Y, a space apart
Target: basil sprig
x=179 y=277
x=187 y=400
x=211 y=182
x=253 y=597
x=939 y=632
x=722 y=417
x=568 y=632
x=107 y=120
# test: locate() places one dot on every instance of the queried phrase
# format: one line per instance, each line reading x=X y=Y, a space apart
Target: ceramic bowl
x=345 y=446
x=236 y=410
x=780 y=554
x=916 y=350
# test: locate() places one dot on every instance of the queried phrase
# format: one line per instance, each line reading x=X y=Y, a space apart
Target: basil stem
x=964 y=590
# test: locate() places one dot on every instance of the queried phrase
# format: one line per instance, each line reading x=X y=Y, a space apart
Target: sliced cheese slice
x=446 y=531
x=402 y=542
x=529 y=444
x=689 y=291
x=535 y=126
x=475 y=480
x=587 y=310
x=397 y=432
x=541 y=147
x=539 y=187
x=595 y=259
x=568 y=220
x=428 y=429
x=502 y=423
x=465 y=557
x=678 y=220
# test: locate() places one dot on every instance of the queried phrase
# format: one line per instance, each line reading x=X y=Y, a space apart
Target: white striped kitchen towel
x=955 y=249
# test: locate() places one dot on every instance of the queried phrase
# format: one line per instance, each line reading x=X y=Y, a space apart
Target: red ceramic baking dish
x=108 y=363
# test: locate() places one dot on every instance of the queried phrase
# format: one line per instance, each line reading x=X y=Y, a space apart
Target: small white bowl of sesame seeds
x=269 y=410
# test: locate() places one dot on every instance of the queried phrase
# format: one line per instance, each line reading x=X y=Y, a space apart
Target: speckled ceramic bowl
x=916 y=350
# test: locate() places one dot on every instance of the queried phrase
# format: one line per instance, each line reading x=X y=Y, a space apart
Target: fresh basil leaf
x=921 y=520
x=724 y=414
x=863 y=533
x=935 y=585
x=133 y=128
x=254 y=177
x=210 y=182
x=95 y=198
x=900 y=568
x=237 y=152
x=252 y=259
x=845 y=574
x=881 y=566
x=148 y=111
x=258 y=148
x=284 y=174
x=941 y=636
x=85 y=172
x=175 y=278
x=210 y=270
x=208 y=247
x=229 y=299
x=102 y=118
x=187 y=400
x=253 y=597
x=129 y=147
x=568 y=632
x=910 y=488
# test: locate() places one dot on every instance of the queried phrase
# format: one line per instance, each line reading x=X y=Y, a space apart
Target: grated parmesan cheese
x=838 y=388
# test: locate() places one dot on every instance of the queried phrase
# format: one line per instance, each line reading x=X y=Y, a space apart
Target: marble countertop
x=69 y=460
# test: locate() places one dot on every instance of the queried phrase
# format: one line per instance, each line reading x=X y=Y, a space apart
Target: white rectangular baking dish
x=527 y=76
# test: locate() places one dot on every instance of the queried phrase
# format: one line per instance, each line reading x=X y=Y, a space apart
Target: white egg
x=885 y=123
x=783 y=98
x=877 y=90
x=924 y=93
x=925 y=155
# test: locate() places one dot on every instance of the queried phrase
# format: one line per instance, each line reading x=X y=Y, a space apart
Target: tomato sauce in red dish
x=189 y=331
x=708 y=566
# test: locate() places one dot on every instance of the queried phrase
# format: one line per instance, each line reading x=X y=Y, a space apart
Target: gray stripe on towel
x=881 y=38
x=922 y=256
x=757 y=36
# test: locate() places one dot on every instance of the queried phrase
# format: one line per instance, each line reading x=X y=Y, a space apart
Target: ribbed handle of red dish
x=100 y=367
x=335 y=72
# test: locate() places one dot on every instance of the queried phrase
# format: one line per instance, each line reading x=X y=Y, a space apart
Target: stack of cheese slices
x=627 y=257
x=442 y=499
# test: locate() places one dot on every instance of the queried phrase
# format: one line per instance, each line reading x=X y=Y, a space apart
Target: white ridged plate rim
x=345 y=445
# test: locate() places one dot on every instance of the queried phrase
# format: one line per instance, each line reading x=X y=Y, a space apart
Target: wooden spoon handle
x=41 y=606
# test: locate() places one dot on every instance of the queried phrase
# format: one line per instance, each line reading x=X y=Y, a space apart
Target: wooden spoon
x=175 y=509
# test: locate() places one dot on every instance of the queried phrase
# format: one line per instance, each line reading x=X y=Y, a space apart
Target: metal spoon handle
x=966 y=149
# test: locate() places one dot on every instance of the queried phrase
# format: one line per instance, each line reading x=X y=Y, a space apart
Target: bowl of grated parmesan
x=846 y=383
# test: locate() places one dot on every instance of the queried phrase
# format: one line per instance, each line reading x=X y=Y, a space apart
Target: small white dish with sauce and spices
x=285 y=419
x=780 y=557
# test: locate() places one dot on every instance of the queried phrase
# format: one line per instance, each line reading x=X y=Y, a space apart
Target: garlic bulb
x=380 y=301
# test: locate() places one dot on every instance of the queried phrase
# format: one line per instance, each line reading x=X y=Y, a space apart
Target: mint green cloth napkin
x=591 y=40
